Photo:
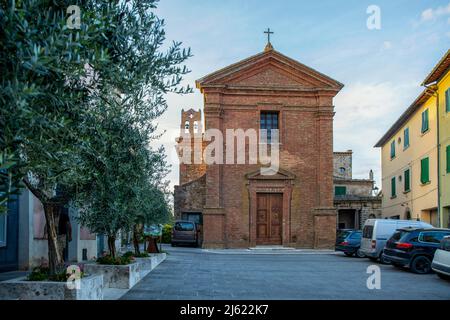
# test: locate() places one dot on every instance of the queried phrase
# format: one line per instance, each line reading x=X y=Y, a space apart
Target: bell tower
x=191 y=123
x=191 y=142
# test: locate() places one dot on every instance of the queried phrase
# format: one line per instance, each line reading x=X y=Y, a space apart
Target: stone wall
x=190 y=197
x=364 y=207
x=342 y=164
x=356 y=187
x=90 y=288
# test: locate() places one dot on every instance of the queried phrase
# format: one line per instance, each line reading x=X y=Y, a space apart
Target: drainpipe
x=434 y=89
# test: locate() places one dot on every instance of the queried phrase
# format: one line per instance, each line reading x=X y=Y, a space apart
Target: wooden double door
x=269 y=214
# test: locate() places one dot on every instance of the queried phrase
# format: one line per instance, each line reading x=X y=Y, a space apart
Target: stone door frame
x=281 y=183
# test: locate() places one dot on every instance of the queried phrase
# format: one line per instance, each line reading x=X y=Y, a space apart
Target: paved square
x=190 y=273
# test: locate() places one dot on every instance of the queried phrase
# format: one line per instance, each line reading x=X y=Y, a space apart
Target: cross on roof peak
x=268 y=45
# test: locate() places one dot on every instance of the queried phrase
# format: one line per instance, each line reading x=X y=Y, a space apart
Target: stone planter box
x=116 y=276
x=91 y=288
x=148 y=264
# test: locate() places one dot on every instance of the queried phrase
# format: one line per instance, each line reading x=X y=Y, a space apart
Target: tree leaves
x=77 y=106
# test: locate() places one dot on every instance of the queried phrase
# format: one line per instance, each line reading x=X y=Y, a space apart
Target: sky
x=382 y=69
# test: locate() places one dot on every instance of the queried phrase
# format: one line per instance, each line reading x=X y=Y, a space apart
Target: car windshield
x=184 y=226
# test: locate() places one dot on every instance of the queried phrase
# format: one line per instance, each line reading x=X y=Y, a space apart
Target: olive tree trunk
x=55 y=256
x=136 y=237
x=112 y=245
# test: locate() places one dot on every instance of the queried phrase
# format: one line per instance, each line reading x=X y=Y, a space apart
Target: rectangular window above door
x=268 y=121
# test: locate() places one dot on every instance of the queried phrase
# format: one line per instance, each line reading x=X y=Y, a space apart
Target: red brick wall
x=306 y=151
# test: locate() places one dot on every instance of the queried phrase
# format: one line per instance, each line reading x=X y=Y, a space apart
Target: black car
x=349 y=241
x=414 y=248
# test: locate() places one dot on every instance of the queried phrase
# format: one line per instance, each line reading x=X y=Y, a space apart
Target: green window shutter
x=393 y=191
x=407 y=180
x=447 y=100
x=425 y=170
x=406 y=138
x=447 y=151
x=340 y=191
x=392 y=149
x=425 y=126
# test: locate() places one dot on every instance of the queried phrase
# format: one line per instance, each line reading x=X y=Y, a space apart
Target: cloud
x=427 y=15
x=432 y=14
x=369 y=101
x=364 y=112
x=387 y=45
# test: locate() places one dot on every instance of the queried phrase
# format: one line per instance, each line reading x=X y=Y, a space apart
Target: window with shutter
x=393 y=191
x=425 y=125
x=340 y=191
x=447 y=100
x=447 y=151
x=425 y=170
x=407 y=180
x=406 y=138
x=393 y=149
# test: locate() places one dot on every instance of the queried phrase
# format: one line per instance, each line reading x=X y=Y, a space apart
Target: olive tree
x=53 y=79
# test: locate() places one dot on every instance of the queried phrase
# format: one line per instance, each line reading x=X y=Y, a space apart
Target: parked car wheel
x=421 y=265
x=360 y=254
x=348 y=254
x=444 y=276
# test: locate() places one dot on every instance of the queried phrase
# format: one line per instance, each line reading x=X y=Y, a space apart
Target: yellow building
x=412 y=187
x=439 y=81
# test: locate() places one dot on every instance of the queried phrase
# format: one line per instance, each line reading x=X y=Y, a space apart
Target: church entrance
x=269 y=218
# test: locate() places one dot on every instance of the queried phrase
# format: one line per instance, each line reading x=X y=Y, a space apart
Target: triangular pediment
x=270 y=174
x=274 y=76
x=269 y=69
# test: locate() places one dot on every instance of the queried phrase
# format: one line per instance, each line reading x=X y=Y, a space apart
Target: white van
x=376 y=232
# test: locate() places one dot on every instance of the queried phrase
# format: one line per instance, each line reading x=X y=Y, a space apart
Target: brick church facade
x=238 y=206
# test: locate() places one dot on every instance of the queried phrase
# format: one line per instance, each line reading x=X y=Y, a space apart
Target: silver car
x=441 y=261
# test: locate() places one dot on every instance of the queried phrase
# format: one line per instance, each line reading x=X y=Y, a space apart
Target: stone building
x=354 y=199
x=237 y=204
